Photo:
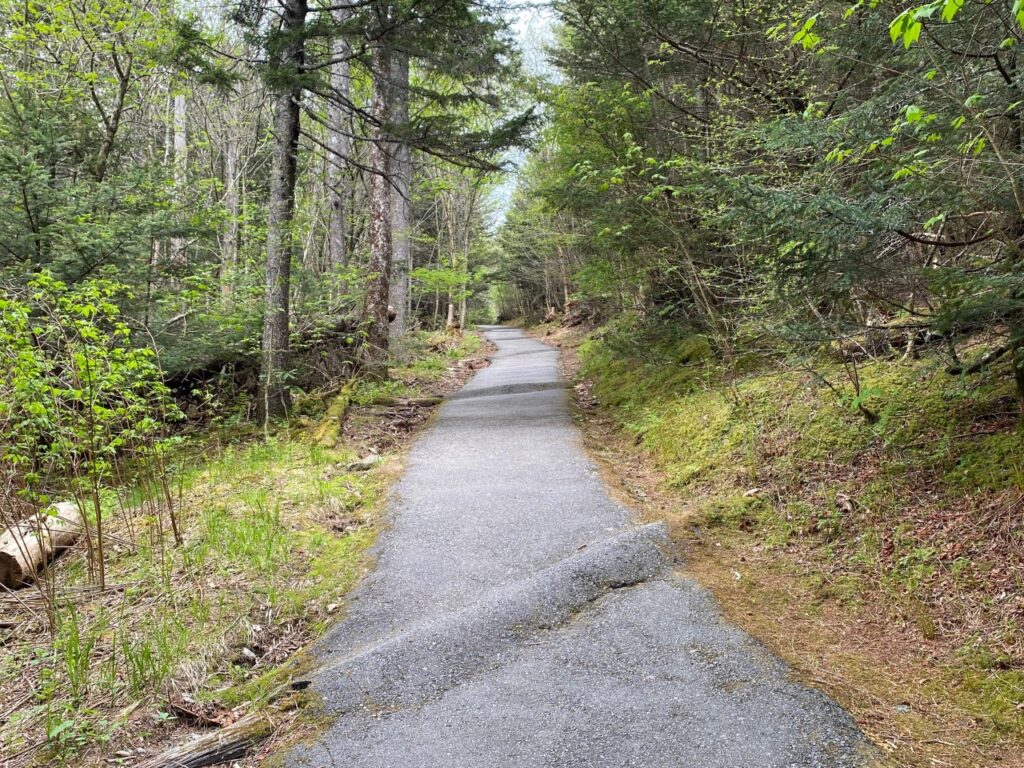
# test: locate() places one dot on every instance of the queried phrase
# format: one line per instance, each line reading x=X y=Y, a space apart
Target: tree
x=401 y=204
x=287 y=57
x=458 y=84
x=375 y=312
x=829 y=175
x=77 y=189
x=339 y=143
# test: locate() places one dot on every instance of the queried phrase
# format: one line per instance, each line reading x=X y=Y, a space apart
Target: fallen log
x=29 y=545
x=328 y=431
x=232 y=742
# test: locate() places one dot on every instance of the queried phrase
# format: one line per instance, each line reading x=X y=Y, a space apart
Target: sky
x=534 y=29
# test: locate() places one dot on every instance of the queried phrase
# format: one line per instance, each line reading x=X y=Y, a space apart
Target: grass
x=909 y=524
x=275 y=533
x=425 y=356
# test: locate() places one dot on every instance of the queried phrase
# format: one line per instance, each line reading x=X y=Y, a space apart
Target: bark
x=232 y=742
x=233 y=207
x=111 y=121
x=339 y=146
x=1018 y=366
x=178 y=244
x=26 y=547
x=273 y=394
x=375 y=313
x=450 y=204
x=401 y=212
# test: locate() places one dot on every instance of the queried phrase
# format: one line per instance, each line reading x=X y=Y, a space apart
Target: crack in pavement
x=435 y=655
x=494 y=630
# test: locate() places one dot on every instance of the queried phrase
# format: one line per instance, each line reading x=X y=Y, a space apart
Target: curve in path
x=516 y=618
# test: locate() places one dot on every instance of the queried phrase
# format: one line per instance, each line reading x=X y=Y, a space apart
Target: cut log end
x=25 y=548
x=11 y=573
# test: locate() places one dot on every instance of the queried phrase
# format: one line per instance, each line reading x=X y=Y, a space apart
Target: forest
x=244 y=246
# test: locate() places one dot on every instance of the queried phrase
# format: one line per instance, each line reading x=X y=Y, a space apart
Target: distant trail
x=517 y=618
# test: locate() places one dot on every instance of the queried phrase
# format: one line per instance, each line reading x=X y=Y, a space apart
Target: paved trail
x=517 y=618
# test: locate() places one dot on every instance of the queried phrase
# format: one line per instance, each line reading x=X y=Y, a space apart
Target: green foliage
x=809 y=193
x=75 y=191
x=75 y=390
x=78 y=398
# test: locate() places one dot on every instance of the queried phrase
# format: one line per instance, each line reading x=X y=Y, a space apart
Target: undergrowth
x=273 y=534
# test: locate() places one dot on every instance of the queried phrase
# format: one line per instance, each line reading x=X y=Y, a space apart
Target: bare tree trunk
x=339 y=146
x=449 y=201
x=178 y=244
x=375 y=312
x=438 y=264
x=273 y=394
x=233 y=208
x=401 y=207
x=375 y=315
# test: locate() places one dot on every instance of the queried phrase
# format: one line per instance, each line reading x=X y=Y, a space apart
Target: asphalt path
x=517 y=617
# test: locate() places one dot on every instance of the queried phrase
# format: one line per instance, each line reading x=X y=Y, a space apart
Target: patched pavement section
x=517 y=618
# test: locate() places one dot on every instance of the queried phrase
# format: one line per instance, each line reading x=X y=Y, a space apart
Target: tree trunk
x=375 y=313
x=178 y=244
x=273 y=394
x=233 y=208
x=1017 y=360
x=26 y=547
x=401 y=209
x=339 y=146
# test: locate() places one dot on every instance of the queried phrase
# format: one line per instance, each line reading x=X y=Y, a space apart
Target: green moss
x=788 y=523
x=840 y=587
x=735 y=511
x=993 y=691
x=992 y=462
x=633 y=371
x=697 y=437
x=935 y=441
x=913 y=568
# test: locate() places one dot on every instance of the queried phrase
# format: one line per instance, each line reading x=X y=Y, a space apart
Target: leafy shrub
x=80 y=401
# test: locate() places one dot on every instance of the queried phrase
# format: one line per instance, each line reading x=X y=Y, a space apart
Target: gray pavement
x=515 y=617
